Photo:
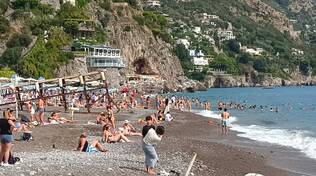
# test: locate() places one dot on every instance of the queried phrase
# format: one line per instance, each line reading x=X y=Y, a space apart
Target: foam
x=296 y=139
x=212 y=114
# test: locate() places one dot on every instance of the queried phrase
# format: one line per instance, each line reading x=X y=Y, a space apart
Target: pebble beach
x=52 y=152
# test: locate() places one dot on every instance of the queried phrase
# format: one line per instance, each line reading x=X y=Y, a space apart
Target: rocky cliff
x=143 y=53
x=265 y=81
x=263 y=13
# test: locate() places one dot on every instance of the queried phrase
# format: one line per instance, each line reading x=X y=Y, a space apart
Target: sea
x=284 y=116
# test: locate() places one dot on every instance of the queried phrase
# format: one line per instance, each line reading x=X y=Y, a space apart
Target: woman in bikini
x=84 y=146
x=110 y=137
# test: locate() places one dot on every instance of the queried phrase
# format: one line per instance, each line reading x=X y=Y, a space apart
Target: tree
x=260 y=65
x=11 y=56
x=19 y=40
x=4 y=24
x=6 y=72
x=233 y=46
x=71 y=27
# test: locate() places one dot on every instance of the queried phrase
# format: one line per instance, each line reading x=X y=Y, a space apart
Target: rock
x=33 y=172
x=143 y=52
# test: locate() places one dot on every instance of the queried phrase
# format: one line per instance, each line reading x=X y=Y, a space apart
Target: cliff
x=263 y=13
x=143 y=52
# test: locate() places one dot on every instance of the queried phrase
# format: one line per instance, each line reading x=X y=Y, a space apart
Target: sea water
x=294 y=125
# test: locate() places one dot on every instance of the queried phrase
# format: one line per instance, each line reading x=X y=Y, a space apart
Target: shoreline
x=282 y=157
x=175 y=151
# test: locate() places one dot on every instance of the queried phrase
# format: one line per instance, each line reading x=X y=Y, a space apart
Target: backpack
x=26 y=136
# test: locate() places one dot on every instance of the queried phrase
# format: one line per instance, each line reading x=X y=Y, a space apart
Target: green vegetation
x=277 y=46
x=4 y=25
x=4 y=5
x=44 y=58
x=157 y=23
x=19 y=40
x=6 y=72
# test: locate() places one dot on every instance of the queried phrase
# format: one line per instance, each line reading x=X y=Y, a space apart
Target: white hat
x=126 y=121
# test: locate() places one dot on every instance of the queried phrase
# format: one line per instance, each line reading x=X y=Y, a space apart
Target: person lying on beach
x=84 y=146
x=111 y=137
x=56 y=119
x=129 y=129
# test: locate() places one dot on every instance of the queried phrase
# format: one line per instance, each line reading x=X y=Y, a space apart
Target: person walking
x=150 y=138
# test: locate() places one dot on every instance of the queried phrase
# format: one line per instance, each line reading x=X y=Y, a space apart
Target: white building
x=200 y=61
x=225 y=35
x=153 y=3
x=194 y=53
x=72 y=2
x=251 y=51
x=184 y=42
x=197 y=30
x=100 y=56
x=297 y=52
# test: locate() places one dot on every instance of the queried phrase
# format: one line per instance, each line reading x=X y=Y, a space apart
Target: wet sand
x=189 y=133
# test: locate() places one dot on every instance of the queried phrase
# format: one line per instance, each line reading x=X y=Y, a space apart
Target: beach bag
x=12 y=159
x=26 y=136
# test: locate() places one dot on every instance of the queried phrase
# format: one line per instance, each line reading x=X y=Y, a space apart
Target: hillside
x=251 y=40
x=245 y=37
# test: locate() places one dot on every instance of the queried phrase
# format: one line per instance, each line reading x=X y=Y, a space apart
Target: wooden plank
x=191 y=164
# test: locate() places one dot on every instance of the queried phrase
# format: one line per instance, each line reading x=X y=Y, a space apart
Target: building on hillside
x=200 y=61
x=72 y=2
x=101 y=56
x=153 y=3
x=251 y=51
x=184 y=42
x=225 y=35
x=197 y=30
x=297 y=52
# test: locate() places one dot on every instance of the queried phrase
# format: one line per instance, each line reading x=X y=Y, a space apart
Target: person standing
x=41 y=110
x=148 y=144
x=31 y=110
x=6 y=127
x=225 y=116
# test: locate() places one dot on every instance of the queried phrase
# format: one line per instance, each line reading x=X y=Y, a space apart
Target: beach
x=52 y=150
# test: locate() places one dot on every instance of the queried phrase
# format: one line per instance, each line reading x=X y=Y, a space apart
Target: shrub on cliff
x=4 y=5
x=4 y=25
x=19 y=40
x=44 y=57
x=11 y=56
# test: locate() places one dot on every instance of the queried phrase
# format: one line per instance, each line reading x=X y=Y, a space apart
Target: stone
x=33 y=172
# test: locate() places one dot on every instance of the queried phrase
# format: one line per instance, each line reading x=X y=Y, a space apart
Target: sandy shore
x=188 y=134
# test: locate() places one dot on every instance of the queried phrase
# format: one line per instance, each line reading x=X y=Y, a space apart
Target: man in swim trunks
x=225 y=116
x=41 y=110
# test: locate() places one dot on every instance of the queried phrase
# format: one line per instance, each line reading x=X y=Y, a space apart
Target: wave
x=297 y=139
x=212 y=114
